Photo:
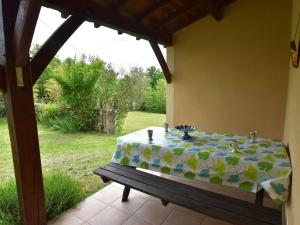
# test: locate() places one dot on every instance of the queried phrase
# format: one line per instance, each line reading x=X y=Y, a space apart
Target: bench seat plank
x=212 y=204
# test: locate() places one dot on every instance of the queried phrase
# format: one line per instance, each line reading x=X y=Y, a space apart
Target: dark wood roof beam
x=152 y=9
x=173 y=16
x=49 y=49
x=64 y=15
x=97 y=25
x=161 y=60
x=214 y=10
x=27 y=17
x=110 y=18
x=119 y=4
x=2 y=81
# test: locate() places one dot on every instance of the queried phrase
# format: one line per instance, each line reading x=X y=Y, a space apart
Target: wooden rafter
x=153 y=8
x=173 y=16
x=2 y=80
x=21 y=118
x=27 y=17
x=161 y=60
x=214 y=10
x=118 y=4
x=49 y=49
x=110 y=18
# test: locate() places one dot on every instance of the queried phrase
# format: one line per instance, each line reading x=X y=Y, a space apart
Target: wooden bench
x=222 y=207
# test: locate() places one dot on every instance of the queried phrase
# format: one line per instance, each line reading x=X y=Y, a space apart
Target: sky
x=122 y=51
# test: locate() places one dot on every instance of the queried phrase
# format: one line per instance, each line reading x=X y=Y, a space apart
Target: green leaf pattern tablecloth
x=208 y=157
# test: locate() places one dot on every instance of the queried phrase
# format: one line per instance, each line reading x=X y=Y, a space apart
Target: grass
x=61 y=193
x=77 y=154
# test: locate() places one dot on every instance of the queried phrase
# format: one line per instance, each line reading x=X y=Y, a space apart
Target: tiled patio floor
x=105 y=208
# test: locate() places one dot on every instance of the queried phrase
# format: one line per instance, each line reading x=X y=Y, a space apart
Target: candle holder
x=166 y=126
x=186 y=129
x=150 y=135
x=252 y=136
x=235 y=147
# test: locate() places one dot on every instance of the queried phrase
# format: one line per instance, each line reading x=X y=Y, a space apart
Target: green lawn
x=75 y=154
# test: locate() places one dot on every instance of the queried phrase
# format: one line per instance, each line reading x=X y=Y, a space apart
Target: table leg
x=126 y=192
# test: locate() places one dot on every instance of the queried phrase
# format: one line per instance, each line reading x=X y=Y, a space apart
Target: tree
x=154 y=75
x=41 y=94
x=137 y=81
x=156 y=98
x=113 y=100
x=79 y=92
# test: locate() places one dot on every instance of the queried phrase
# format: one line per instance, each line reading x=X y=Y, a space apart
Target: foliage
x=76 y=154
x=61 y=193
x=45 y=92
x=154 y=75
x=156 y=98
x=137 y=82
x=113 y=99
x=79 y=93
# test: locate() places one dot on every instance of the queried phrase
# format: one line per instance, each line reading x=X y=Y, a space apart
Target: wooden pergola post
x=17 y=24
x=17 y=76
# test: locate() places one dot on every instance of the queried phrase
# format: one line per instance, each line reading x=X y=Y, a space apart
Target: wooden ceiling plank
x=173 y=16
x=27 y=17
x=49 y=49
x=110 y=18
x=161 y=60
x=155 y=7
x=119 y=4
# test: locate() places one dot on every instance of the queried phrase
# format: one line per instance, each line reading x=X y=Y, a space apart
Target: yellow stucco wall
x=292 y=129
x=231 y=76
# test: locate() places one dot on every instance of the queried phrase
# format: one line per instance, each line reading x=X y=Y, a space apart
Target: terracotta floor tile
x=140 y=194
x=178 y=217
x=108 y=194
x=88 y=209
x=66 y=219
x=153 y=213
x=158 y=201
x=134 y=203
x=109 y=216
x=190 y=212
x=135 y=221
x=212 y=221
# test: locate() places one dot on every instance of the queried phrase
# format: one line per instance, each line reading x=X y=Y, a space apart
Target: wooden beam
x=119 y=4
x=214 y=10
x=173 y=16
x=109 y=17
x=161 y=60
x=2 y=80
x=22 y=124
x=27 y=17
x=153 y=8
x=49 y=49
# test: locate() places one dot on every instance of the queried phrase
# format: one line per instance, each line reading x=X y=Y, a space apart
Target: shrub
x=79 y=92
x=46 y=114
x=156 y=98
x=61 y=193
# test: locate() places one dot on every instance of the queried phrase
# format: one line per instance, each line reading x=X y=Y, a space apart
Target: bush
x=46 y=114
x=61 y=193
x=156 y=98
